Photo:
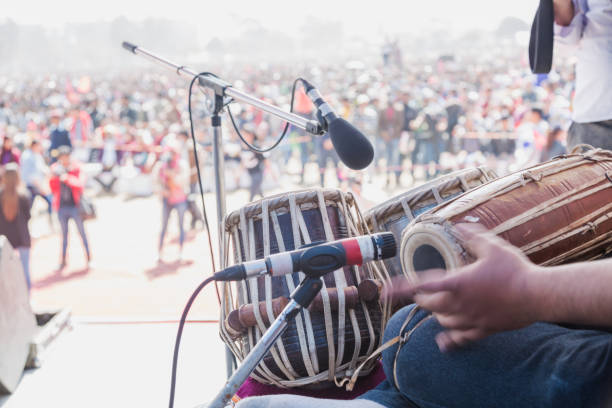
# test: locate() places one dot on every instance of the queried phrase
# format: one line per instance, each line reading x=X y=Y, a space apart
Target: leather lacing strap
x=529 y=175
x=404 y=339
x=389 y=343
x=590 y=227
x=582 y=148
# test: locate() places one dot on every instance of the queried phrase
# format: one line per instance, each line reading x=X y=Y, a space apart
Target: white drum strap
x=464 y=184
x=352 y=231
x=280 y=348
x=291 y=286
x=329 y=325
x=436 y=195
x=407 y=209
x=298 y=219
x=254 y=291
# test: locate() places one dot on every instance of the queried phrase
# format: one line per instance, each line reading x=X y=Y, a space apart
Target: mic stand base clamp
x=301 y=298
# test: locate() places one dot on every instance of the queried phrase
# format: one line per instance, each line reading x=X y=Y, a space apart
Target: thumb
x=448 y=282
x=477 y=240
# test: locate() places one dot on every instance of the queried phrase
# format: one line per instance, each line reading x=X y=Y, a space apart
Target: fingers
x=478 y=240
x=398 y=288
x=439 y=302
x=452 y=339
x=454 y=321
x=448 y=283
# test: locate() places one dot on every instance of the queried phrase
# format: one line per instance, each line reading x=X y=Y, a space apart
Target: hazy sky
x=227 y=17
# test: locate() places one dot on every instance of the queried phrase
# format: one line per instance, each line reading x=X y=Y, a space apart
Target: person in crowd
x=81 y=126
x=390 y=126
x=9 y=153
x=554 y=144
x=531 y=139
x=35 y=174
x=173 y=176
x=326 y=153
x=587 y=26
x=14 y=216
x=107 y=177
x=188 y=156
x=58 y=135
x=254 y=162
x=67 y=183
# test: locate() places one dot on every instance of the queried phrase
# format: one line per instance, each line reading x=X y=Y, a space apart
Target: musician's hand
x=487 y=296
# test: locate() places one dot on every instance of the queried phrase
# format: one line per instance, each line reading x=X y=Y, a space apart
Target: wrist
x=537 y=300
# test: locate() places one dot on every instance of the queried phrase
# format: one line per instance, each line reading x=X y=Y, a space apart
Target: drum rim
x=392 y=206
x=436 y=235
x=281 y=201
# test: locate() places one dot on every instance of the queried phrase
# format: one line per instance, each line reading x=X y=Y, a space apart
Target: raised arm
x=503 y=290
x=564 y=11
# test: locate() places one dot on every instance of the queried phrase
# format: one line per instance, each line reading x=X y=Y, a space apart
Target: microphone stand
x=301 y=298
x=222 y=90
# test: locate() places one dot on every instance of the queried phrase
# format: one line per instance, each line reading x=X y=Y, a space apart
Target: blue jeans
x=543 y=365
x=166 y=210
x=65 y=214
x=34 y=191
x=390 y=151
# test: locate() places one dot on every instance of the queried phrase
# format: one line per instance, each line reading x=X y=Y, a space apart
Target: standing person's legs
x=180 y=210
x=166 y=208
x=396 y=159
x=322 y=159
x=255 y=187
x=596 y=134
x=33 y=193
x=63 y=216
x=81 y=228
x=24 y=256
x=542 y=365
x=49 y=201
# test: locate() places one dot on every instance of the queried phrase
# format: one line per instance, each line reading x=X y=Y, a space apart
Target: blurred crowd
x=130 y=132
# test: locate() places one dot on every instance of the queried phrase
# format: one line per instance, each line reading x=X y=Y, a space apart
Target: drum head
x=429 y=246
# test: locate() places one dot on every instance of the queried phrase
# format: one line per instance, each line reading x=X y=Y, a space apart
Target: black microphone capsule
x=353 y=148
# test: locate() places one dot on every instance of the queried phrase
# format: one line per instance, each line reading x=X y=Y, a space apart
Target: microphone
x=353 y=148
x=316 y=260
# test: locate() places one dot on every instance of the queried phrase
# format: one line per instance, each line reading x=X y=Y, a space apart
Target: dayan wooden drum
x=395 y=214
x=325 y=343
x=556 y=212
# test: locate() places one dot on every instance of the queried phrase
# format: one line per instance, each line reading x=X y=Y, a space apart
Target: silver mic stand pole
x=301 y=298
x=223 y=89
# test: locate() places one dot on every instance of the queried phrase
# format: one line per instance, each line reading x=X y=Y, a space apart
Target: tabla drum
x=555 y=212
x=395 y=214
x=326 y=343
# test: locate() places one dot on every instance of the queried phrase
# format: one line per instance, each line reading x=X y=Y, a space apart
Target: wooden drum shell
x=556 y=212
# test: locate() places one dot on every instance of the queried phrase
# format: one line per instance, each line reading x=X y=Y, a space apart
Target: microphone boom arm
x=223 y=88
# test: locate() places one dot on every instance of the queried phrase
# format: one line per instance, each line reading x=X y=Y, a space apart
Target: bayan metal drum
x=395 y=214
x=556 y=212
x=325 y=343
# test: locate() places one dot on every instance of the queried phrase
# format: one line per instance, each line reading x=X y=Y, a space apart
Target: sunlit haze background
x=63 y=33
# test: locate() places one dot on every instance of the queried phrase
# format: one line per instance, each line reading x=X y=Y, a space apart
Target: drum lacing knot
x=529 y=175
x=591 y=227
x=582 y=147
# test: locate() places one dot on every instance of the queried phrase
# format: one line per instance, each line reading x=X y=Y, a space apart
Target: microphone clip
x=322 y=122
